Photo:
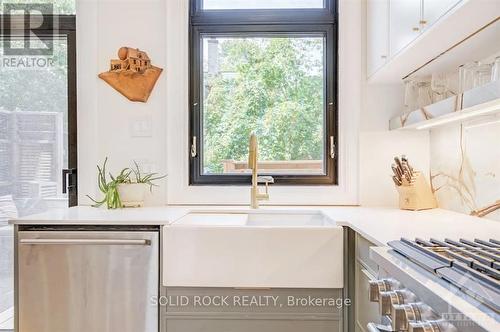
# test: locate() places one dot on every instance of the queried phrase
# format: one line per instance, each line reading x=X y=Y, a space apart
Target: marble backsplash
x=465 y=166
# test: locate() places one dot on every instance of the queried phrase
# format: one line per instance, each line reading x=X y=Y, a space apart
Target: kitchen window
x=267 y=67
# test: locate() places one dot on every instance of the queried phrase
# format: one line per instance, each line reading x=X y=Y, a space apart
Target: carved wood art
x=132 y=74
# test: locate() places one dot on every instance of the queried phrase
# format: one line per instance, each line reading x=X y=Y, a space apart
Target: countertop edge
x=377 y=224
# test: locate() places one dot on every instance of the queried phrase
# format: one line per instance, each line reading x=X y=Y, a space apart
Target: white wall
x=105 y=117
x=377 y=153
x=466 y=164
x=378 y=145
x=160 y=28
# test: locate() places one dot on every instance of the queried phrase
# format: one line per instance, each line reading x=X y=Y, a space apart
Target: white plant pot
x=132 y=194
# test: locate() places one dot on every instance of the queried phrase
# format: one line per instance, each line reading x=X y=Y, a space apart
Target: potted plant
x=127 y=189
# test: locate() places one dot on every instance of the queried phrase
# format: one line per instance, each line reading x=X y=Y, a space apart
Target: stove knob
x=432 y=326
x=383 y=285
x=402 y=315
x=388 y=299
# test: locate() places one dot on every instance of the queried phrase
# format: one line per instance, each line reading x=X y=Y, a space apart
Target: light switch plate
x=141 y=126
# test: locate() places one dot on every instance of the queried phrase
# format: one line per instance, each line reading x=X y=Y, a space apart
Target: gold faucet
x=256 y=196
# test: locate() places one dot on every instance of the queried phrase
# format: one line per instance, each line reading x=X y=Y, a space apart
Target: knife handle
x=397 y=181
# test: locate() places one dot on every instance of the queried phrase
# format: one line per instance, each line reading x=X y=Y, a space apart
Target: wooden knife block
x=416 y=195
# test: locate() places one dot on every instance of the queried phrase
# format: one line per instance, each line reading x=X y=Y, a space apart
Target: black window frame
x=64 y=25
x=265 y=22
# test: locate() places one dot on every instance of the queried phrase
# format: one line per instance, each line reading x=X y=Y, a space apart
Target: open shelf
x=478 y=102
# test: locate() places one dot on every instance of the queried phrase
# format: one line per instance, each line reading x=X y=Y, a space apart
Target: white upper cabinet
x=377 y=34
x=409 y=18
x=405 y=17
x=404 y=37
x=433 y=10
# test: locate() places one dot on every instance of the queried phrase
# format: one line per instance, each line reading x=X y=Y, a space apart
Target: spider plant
x=110 y=188
x=126 y=176
x=146 y=178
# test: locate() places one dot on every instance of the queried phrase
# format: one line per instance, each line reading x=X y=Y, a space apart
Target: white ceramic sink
x=288 y=219
x=278 y=218
x=280 y=249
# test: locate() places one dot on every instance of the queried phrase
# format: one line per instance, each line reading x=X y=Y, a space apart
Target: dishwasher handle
x=104 y=242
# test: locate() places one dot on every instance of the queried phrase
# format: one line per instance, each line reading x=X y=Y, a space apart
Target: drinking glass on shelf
x=440 y=85
x=466 y=76
x=495 y=71
x=411 y=95
x=424 y=93
x=482 y=74
x=453 y=83
x=417 y=93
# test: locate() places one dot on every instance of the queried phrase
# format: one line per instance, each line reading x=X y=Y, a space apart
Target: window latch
x=332 y=147
x=194 y=153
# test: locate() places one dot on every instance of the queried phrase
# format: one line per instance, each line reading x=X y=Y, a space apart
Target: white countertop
x=381 y=225
x=378 y=225
x=86 y=215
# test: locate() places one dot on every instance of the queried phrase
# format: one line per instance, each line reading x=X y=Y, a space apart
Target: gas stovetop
x=472 y=266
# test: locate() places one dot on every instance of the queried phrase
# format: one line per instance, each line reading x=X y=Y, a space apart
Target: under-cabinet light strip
x=461 y=117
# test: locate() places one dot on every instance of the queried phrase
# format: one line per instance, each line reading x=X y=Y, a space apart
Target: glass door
x=35 y=130
x=37 y=124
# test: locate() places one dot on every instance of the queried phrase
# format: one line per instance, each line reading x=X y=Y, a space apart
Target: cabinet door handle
x=416 y=29
x=122 y=242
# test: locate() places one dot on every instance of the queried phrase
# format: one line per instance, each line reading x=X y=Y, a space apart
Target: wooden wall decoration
x=132 y=74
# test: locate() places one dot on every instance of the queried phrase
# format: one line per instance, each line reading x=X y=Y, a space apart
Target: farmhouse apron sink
x=253 y=249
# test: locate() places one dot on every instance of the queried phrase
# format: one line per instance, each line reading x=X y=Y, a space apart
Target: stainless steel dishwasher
x=100 y=280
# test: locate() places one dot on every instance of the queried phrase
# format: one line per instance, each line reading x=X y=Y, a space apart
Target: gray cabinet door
x=252 y=325
x=366 y=311
x=273 y=310
x=366 y=271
